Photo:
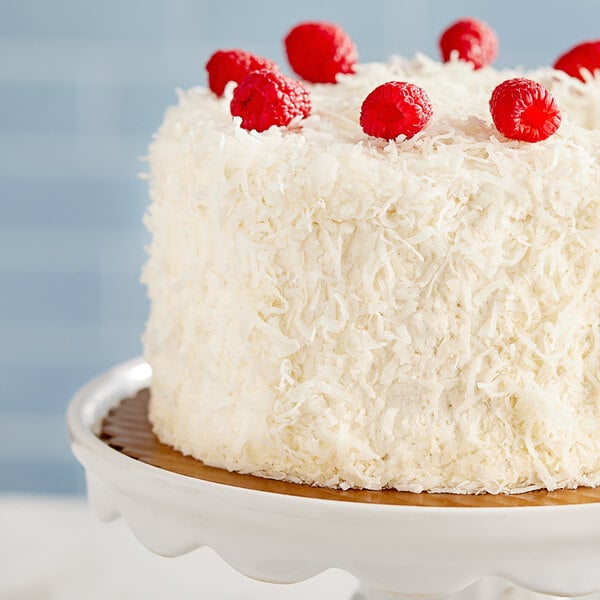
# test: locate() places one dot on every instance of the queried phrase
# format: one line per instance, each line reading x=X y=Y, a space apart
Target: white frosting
x=349 y=312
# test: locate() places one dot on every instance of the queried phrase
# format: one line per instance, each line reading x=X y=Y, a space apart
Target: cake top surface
x=457 y=92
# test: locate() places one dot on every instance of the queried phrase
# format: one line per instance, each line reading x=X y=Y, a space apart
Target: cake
x=340 y=310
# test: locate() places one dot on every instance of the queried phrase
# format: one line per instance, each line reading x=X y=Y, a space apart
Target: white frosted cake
x=346 y=311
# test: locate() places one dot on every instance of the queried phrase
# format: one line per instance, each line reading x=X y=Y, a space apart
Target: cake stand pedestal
x=397 y=544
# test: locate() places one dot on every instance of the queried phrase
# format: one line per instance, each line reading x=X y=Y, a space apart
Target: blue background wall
x=83 y=84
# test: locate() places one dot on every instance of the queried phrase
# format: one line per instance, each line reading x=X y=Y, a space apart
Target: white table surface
x=53 y=548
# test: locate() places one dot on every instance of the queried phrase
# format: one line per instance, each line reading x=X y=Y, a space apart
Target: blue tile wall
x=73 y=203
x=141 y=107
x=129 y=19
x=51 y=296
x=43 y=394
x=22 y=111
x=41 y=476
x=82 y=87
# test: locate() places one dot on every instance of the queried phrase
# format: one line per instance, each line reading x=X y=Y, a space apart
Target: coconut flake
x=343 y=311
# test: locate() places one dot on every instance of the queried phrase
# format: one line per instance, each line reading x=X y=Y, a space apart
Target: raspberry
x=233 y=65
x=266 y=98
x=583 y=56
x=318 y=51
x=395 y=108
x=524 y=110
x=475 y=41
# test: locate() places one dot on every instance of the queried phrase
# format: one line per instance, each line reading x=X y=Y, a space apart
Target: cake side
x=342 y=311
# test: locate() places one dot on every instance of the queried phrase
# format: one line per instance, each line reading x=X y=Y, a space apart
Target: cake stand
x=397 y=544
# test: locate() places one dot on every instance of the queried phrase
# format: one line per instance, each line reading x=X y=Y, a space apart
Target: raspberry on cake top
x=419 y=313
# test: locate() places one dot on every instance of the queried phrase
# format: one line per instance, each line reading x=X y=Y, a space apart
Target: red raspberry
x=395 y=108
x=266 y=98
x=319 y=51
x=524 y=110
x=475 y=41
x=583 y=56
x=233 y=65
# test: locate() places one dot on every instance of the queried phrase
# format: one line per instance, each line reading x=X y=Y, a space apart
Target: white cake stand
x=415 y=551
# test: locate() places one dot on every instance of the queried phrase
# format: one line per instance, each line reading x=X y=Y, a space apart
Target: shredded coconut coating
x=344 y=311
